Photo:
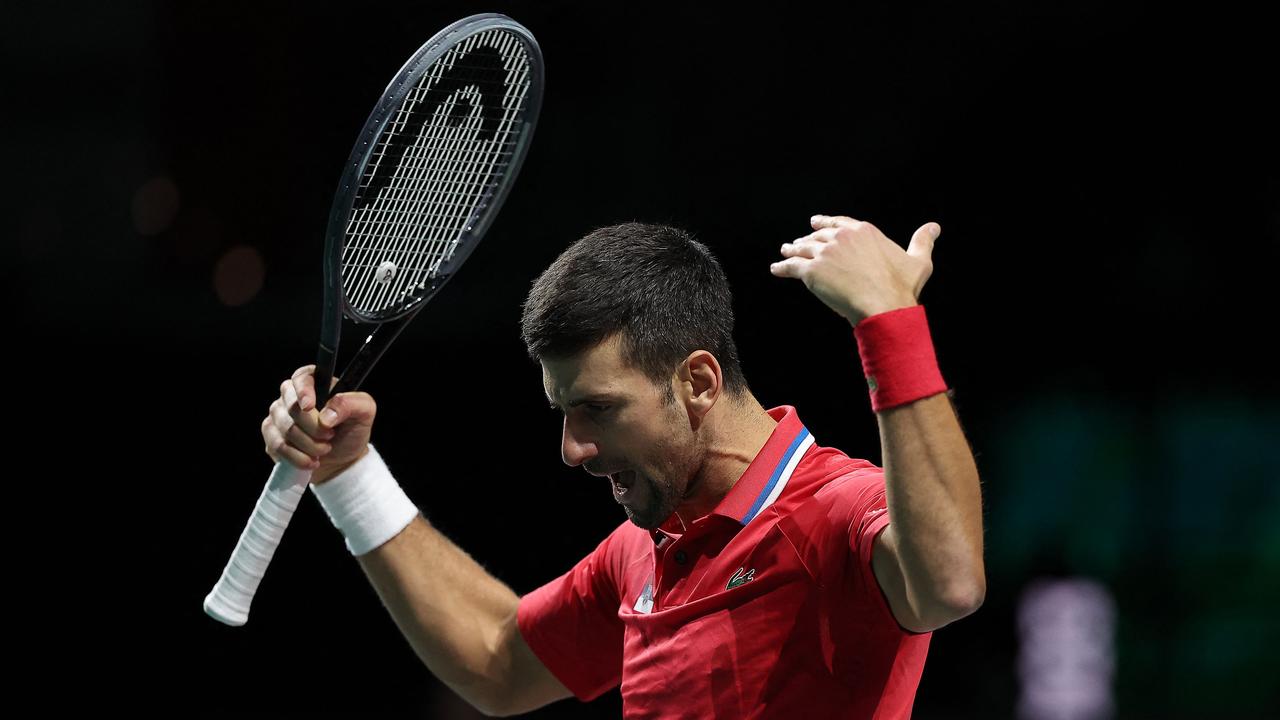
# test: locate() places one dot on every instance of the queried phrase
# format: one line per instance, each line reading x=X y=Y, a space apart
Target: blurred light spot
x=237 y=277
x=1066 y=655
x=155 y=205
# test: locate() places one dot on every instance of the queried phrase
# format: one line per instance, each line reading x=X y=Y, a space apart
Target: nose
x=575 y=450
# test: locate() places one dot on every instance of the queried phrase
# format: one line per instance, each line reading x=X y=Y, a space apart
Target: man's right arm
x=459 y=619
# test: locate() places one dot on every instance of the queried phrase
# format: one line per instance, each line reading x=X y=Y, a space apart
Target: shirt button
x=681 y=557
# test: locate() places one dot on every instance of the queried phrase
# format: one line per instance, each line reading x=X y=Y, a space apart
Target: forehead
x=597 y=371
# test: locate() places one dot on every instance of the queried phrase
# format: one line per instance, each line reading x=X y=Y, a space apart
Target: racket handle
x=229 y=600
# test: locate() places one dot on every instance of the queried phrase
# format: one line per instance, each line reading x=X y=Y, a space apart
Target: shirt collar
x=766 y=477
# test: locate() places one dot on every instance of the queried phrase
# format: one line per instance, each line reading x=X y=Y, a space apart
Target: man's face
x=619 y=424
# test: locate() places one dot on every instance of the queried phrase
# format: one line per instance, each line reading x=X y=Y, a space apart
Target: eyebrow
x=601 y=398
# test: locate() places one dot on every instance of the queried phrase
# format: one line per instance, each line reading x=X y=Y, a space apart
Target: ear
x=699 y=382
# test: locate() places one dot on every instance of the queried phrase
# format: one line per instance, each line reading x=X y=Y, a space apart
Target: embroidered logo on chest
x=644 y=603
x=741 y=578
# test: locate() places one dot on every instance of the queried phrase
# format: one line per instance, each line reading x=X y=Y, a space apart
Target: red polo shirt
x=765 y=608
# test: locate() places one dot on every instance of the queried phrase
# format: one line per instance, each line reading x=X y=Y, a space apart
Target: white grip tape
x=229 y=600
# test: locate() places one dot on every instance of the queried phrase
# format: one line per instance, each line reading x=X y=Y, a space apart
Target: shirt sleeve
x=572 y=624
x=868 y=516
x=868 y=512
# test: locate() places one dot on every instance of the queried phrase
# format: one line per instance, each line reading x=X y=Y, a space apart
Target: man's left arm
x=928 y=560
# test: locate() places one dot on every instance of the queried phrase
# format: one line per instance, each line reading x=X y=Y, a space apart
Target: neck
x=735 y=431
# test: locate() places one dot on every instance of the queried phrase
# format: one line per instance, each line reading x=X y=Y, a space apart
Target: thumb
x=357 y=406
x=922 y=242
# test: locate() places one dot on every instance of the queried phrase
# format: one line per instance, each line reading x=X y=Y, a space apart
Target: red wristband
x=898 y=358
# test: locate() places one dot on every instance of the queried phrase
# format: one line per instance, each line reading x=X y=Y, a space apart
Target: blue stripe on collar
x=781 y=474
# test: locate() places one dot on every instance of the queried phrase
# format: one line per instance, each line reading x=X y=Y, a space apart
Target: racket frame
x=390 y=325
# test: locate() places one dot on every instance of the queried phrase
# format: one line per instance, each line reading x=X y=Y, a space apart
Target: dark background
x=1101 y=303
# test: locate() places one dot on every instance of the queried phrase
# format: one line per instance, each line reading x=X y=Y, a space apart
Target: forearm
x=935 y=506
x=458 y=618
x=450 y=609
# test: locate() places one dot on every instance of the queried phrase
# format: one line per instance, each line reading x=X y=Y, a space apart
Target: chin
x=647 y=518
x=644 y=520
x=641 y=521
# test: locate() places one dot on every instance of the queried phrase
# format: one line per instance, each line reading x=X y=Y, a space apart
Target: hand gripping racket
x=425 y=179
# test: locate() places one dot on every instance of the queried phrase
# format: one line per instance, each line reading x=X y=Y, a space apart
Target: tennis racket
x=431 y=168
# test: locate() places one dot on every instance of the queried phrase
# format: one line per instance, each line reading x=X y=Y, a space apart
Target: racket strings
x=454 y=208
x=513 y=61
x=405 y=175
x=445 y=172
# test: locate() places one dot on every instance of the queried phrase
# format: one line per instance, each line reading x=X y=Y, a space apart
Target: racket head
x=431 y=168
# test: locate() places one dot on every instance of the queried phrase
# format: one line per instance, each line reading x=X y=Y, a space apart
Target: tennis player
x=759 y=574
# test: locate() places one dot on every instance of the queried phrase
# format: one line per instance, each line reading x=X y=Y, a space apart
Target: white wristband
x=366 y=504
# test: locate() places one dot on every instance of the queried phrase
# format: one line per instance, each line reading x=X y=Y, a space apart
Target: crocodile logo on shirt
x=740 y=578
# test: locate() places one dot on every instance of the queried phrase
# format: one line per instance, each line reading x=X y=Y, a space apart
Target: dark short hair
x=655 y=284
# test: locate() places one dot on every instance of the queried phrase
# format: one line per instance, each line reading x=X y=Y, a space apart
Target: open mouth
x=622 y=483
